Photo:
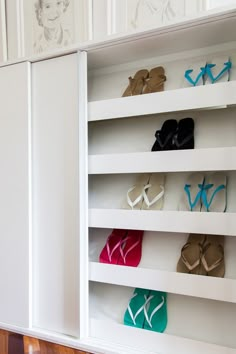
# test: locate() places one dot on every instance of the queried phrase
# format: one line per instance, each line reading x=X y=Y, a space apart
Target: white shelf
x=192 y=98
x=165 y=221
x=213 y=159
x=151 y=342
x=171 y=282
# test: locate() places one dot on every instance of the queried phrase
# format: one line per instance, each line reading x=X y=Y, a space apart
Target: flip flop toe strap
x=184 y=141
x=204 y=194
x=157 y=308
x=155 y=199
x=124 y=255
x=135 y=315
x=111 y=251
x=184 y=259
x=193 y=203
x=131 y=203
x=160 y=141
x=214 y=265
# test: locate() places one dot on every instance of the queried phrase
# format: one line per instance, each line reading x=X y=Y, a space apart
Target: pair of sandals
x=205 y=193
x=123 y=247
x=210 y=73
x=203 y=255
x=145 y=81
x=175 y=135
x=147 y=193
x=147 y=309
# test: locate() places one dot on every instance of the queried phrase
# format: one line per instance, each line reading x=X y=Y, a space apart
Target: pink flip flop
x=131 y=249
x=111 y=251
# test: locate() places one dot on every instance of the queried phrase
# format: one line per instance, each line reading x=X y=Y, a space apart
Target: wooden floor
x=11 y=343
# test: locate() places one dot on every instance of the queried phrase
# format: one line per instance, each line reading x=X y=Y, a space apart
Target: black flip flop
x=184 y=137
x=164 y=137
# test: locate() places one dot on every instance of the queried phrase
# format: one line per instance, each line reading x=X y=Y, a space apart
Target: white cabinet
x=15 y=201
x=55 y=189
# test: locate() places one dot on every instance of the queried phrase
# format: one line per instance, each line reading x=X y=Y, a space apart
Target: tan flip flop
x=212 y=261
x=136 y=83
x=153 y=192
x=155 y=82
x=191 y=253
x=134 y=196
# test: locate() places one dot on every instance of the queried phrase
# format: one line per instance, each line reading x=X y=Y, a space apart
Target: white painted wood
x=176 y=283
x=219 y=159
x=82 y=249
x=152 y=342
x=15 y=194
x=166 y=221
x=56 y=195
x=209 y=96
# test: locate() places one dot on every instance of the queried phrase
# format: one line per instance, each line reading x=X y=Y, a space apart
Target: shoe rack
x=201 y=309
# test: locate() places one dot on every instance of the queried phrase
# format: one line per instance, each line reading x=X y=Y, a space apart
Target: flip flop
x=134 y=196
x=212 y=261
x=136 y=83
x=131 y=249
x=134 y=315
x=164 y=136
x=191 y=198
x=111 y=251
x=218 y=70
x=214 y=194
x=155 y=312
x=195 y=74
x=191 y=253
x=155 y=81
x=184 y=138
x=153 y=192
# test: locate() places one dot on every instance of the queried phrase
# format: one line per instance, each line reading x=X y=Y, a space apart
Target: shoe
x=218 y=71
x=184 y=137
x=195 y=76
x=164 y=136
x=134 y=315
x=193 y=189
x=111 y=251
x=212 y=260
x=155 y=312
x=155 y=80
x=134 y=196
x=131 y=249
x=214 y=193
x=136 y=83
x=153 y=192
x=191 y=254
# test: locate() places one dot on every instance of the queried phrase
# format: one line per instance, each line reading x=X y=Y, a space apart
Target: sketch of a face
x=51 y=13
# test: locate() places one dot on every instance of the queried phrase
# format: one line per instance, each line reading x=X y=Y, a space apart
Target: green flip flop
x=155 y=312
x=134 y=315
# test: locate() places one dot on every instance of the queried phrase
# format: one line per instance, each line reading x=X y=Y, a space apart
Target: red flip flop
x=111 y=251
x=131 y=249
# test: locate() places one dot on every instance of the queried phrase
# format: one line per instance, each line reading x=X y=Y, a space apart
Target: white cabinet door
x=14 y=194
x=55 y=194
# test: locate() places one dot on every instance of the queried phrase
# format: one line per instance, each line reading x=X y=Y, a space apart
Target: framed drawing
x=38 y=26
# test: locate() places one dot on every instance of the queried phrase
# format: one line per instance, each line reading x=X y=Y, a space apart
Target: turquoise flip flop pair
x=205 y=193
x=147 y=309
x=207 y=71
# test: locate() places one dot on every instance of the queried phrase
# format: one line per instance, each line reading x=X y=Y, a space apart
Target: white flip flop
x=153 y=192
x=134 y=195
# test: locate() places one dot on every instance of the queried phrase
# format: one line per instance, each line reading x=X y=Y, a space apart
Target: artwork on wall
x=38 y=26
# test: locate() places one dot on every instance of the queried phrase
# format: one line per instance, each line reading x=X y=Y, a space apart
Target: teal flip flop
x=155 y=312
x=134 y=315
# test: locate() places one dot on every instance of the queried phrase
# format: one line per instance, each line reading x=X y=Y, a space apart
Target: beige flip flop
x=191 y=253
x=153 y=192
x=136 y=83
x=212 y=261
x=134 y=196
x=155 y=81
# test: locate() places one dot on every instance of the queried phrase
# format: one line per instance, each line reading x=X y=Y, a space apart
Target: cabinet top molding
x=198 y=32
